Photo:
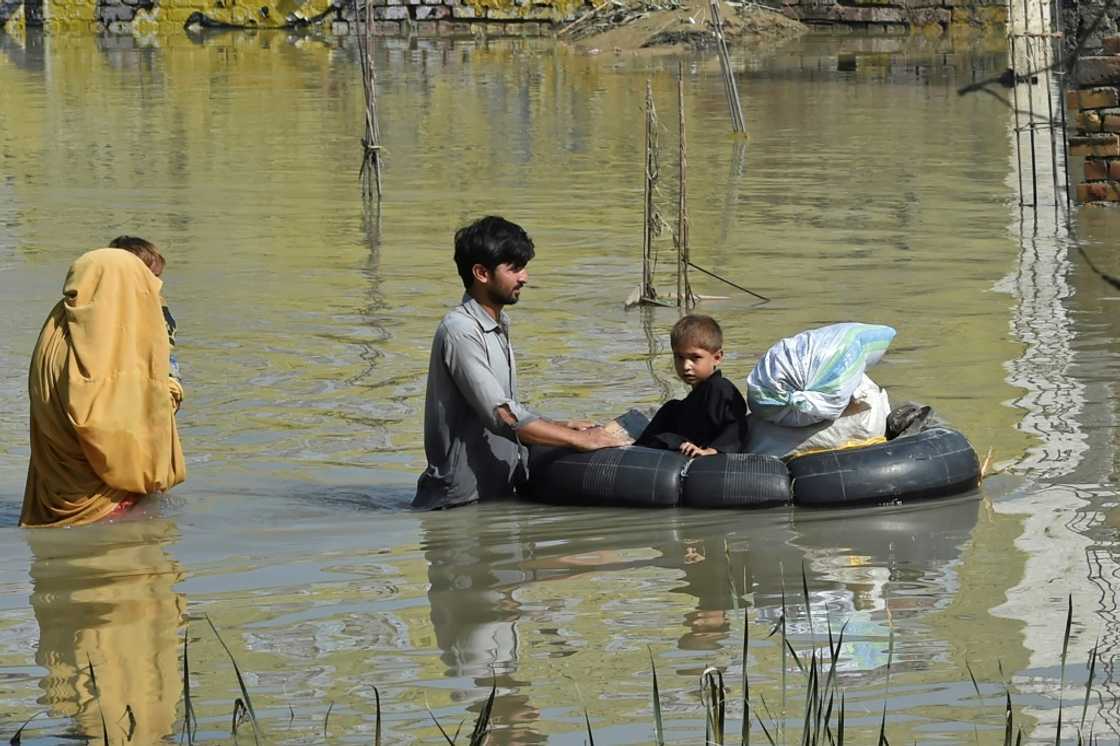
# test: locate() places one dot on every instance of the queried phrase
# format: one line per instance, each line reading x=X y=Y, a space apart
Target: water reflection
x=103 y=597
x=27 y=53
x=500 y=580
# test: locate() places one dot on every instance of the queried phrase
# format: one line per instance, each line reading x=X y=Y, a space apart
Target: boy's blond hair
x=697 y=330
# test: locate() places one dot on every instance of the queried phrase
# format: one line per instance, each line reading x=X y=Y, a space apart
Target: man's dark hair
x=490 y=241
x=697 y=330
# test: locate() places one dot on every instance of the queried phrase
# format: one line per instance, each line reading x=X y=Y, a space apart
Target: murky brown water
x=875 y=194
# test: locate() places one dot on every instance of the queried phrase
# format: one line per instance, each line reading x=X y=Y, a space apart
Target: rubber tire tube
x=631 y=476
x=736 y=480
x=933 y=463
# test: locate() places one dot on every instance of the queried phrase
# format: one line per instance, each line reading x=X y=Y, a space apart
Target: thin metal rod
x=1061 y=73
x=1030 y=108
x=1047 y=67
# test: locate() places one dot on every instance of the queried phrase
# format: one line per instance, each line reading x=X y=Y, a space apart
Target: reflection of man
x=474 y=425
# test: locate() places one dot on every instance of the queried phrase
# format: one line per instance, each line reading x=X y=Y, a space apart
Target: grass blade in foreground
x=808 y=607
x=190 y=722
x=18 y=737
x=1089 y=683
x=745 y=734
x=658 y=725
x=1062 y=675
x=377 y=723
x=432 y=715
x=1008 y=721
x=482 y=725
x=97 y=697
x=248 y=702
x=715 y=705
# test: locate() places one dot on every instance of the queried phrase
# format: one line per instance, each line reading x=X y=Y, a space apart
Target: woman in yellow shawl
x=102 y=401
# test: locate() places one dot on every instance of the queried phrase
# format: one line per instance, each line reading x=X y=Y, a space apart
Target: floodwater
x=868 y=190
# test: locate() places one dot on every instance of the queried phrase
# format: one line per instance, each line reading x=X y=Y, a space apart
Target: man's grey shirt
x=472 y=454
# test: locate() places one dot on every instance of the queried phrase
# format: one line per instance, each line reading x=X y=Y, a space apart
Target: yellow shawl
x=102 y=402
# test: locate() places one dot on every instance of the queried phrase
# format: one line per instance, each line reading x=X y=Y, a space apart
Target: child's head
x=697 y=348
x=146 y=250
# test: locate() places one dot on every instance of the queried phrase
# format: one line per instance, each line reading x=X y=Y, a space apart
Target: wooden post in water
x=738 y=124
x=685 y=298
x=653 y=172
x=370 y=173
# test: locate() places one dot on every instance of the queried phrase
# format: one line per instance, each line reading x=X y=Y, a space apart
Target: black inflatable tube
x=736 y=480
x=933 y=463
x=632 y=476
x=647 y=477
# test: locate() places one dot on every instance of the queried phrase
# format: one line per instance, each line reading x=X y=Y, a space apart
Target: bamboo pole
x=685 y=297
x=370 y=172
x=652 y=174
x=738 y=123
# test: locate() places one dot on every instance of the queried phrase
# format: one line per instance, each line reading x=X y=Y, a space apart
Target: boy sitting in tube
x=713 y=417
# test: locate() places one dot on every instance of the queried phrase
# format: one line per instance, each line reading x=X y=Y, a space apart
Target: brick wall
x=392 y=17
x=932 y=16
x=458 y=17
x=1095 y=106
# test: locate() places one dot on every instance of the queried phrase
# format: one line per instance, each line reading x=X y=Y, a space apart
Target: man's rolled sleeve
x=465 y=357
x=521 y=414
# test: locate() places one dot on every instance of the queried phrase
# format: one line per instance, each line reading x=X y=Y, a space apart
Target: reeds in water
x=822 y=718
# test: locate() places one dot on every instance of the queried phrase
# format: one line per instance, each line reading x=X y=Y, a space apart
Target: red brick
x=1093 y=98
x=1111 y=44
x=1089 y=121
x=1099 y=191
x=1094 y=71
x=1095 y=170
x=1099 y=145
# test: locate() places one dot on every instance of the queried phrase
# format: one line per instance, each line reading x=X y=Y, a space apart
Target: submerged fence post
x=370 y=173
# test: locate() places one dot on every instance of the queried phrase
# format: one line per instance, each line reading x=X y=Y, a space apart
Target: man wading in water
x=475 y=430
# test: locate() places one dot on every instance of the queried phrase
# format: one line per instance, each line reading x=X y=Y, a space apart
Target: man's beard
x=508 y=299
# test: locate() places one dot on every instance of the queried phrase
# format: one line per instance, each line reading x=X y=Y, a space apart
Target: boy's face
x=695 y=364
